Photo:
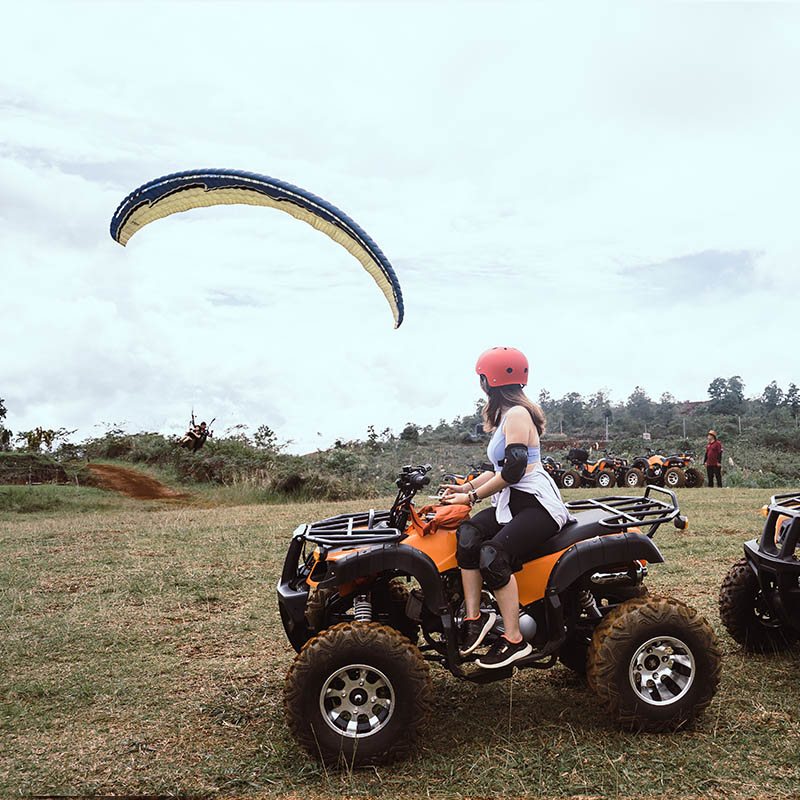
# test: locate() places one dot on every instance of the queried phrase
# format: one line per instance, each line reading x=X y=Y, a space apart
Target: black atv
x=759 y=601
x=358 y=591
x=554 y=468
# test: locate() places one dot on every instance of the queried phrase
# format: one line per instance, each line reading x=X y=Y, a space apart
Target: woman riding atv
x=527 y=507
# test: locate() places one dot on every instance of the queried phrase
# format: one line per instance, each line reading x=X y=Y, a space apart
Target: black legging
x=500 y=549
x=711 y=471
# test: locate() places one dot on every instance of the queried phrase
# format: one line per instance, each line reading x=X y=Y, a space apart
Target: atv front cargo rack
x=351 y=529
x=788 y=503
x=780 y=507
x=629 y=512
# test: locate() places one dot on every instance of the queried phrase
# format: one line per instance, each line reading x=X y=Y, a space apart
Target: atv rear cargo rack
x=627 y=512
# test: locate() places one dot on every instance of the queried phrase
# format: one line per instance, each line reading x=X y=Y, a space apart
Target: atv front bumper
x=293 y=595
x=779 y=579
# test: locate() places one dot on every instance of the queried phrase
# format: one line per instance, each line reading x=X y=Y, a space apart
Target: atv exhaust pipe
x=628 y=576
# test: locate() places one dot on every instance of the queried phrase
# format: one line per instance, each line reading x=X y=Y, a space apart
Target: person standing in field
x=713 y=459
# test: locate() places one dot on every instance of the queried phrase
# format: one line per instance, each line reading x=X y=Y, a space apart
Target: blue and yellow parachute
x=183 y=191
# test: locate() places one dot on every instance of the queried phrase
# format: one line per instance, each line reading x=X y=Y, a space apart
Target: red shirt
x=714 y=454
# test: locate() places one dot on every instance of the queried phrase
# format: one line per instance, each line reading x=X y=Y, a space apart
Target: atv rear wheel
x=605 y=479
x=359 y=692
x=574 y=652
x=634 y=478
x=654 y=663
x=674 y=478
x=571 y=479
x=694 y=478
x=746 y=615
x=613 y=595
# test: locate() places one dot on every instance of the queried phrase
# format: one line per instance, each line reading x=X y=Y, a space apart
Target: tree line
x=727 y=409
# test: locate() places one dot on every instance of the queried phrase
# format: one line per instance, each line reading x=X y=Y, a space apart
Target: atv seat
x=586 y=526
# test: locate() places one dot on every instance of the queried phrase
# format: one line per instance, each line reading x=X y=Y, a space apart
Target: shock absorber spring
x=362 y=608
x=588 y=603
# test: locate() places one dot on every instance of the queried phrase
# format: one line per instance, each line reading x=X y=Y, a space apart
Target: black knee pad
x=495 y=566
x=468 y=550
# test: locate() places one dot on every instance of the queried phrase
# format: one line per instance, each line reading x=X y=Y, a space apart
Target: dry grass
x=142 y=653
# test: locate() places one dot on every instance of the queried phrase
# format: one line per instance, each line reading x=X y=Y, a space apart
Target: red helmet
x=503 y=366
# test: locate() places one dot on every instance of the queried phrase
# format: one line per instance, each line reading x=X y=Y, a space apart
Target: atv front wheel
x=746 y=615
x=674 y=478
x=605 y=479
x=359 y=692
x=654 y=663
x=571 y=479
x=634 y=478
x=694 y=478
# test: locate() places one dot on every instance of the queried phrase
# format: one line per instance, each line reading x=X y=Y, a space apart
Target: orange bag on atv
x=443 y=517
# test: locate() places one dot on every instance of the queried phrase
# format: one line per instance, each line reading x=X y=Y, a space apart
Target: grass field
x=142 y=653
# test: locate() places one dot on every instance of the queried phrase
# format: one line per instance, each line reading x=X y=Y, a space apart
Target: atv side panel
x=593 y=554
x=396 y=558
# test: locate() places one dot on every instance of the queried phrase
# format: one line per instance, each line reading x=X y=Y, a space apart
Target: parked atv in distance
x=694 y=477
x=473 y=470
x=554 y=468
x=619 y=465
x=759 y=601
x=600 y=473
x=358 y=590
x=670 y=471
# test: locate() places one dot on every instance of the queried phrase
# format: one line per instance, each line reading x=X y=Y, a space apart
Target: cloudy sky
x=613 y=192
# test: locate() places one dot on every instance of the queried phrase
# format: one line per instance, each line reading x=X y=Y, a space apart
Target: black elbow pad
x=515 y=463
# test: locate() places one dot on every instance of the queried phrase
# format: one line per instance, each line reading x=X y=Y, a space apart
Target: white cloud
x=520 y=166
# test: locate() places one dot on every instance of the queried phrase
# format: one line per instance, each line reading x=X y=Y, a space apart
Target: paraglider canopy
x=208 y=187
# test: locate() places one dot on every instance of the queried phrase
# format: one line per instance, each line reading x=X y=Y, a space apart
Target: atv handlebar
x=414 y=476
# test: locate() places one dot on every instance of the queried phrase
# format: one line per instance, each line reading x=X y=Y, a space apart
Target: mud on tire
x=670 y=647
x=746 y=616
x=358 y=693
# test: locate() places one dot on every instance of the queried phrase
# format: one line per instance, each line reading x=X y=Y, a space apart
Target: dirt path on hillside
x=131 y=483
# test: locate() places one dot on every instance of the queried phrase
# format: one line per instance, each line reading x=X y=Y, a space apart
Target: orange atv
x=358 y=590
x=670 y=471
x=600 y=473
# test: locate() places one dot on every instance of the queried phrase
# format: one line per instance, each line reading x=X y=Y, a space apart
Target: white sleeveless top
x=536 y=482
